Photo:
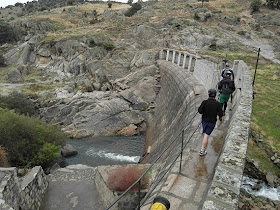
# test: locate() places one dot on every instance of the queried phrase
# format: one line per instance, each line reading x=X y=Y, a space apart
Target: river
x=265 y=190
x=105 y=150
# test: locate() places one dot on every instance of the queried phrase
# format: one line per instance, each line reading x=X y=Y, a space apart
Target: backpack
x=226 y=87
x=226 y=71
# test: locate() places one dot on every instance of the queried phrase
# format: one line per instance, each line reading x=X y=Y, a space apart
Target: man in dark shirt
x=209 y=109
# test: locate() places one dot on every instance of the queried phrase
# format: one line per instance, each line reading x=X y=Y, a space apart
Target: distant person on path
x=209 y=109
x=226 y=70
x=226 y=88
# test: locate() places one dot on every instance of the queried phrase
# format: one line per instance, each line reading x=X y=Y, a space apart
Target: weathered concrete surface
x=187 y=190
x=72 y=187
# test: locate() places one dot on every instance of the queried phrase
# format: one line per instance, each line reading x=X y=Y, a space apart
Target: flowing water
x=106 y=150
x=265 y=190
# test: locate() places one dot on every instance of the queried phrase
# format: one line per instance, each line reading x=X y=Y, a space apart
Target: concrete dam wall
x=181 y=93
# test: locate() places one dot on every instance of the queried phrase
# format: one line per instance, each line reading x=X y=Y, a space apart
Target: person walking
x=226 y=70
x=209 y=109
x=226 y=88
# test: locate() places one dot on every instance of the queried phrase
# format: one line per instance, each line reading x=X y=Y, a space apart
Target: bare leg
x=205 y=140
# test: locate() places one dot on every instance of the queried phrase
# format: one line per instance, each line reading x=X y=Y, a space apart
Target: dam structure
x=173 y=138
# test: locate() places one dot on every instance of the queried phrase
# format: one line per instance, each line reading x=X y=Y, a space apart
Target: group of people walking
x=211 y=108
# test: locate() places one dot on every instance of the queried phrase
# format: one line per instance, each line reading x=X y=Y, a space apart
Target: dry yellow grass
x=72 y=21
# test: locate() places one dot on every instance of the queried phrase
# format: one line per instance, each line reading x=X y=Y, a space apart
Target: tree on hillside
x=27 y=140
x=7 y=33
x=255 y=6
x=109 y=4
x=130 y=2
x=18 y=102
x=18 y=4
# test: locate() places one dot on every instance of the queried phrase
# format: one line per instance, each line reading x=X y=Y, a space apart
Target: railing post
x=161 y=53
x=182 y=146
x=139 y=190
x=173 y=56
x=167 y=55
x=179 y=58
x=190 y=63
x=184 y=60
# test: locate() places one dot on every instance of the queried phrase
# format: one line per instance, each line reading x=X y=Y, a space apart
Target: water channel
x=105 y=150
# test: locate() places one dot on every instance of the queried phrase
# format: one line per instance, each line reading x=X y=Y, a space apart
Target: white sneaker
x=202 y=152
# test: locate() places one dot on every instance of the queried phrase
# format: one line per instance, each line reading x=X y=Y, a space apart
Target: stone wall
x=25 y=193
x=9 y=189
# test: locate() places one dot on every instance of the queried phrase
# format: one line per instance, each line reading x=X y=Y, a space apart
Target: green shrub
x=108 y=45
x=207 y=16
x=273 y=4
x=134 y=8
x=2 y=60
x=18 y=102
x=91 y=43
x=196 y=16
x=242 y=33
x=27 y=140
x=213 y=45
x=109 y=4
x=255 y=5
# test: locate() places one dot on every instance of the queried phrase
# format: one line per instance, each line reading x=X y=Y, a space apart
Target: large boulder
x=14 y=76
x=68 y=150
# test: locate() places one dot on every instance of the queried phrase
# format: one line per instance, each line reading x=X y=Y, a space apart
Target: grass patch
x=259 y=155
x=266 y=105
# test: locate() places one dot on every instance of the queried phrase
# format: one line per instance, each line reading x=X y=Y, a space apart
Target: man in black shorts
x=209 y=109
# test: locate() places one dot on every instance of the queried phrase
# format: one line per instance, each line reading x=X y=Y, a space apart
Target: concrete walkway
x=188 y=190
x=72 y=188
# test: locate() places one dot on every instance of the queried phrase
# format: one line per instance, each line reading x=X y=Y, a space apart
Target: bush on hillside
x=108 y=45
x=27 y=140
x=134 y=8
x=255 y=6
x=109 y=4
x=18 y=102
x=2 y=60
x=273 y=4
x=8 y=33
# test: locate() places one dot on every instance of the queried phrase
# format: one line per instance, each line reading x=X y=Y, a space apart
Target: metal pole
x=182 y=146
x=139 y=190
x=256 y=66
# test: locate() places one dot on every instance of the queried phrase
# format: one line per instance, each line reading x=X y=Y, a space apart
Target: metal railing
x=159 y=178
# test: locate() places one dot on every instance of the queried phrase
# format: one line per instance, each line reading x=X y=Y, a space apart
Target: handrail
x=153 y=163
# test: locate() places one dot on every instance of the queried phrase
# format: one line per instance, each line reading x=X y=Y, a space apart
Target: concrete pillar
x=184 y=60
x=193 y=64
x=161 y=54
x=190 y=63
x=179 y=58
x=167 y=54
x=173 y=57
